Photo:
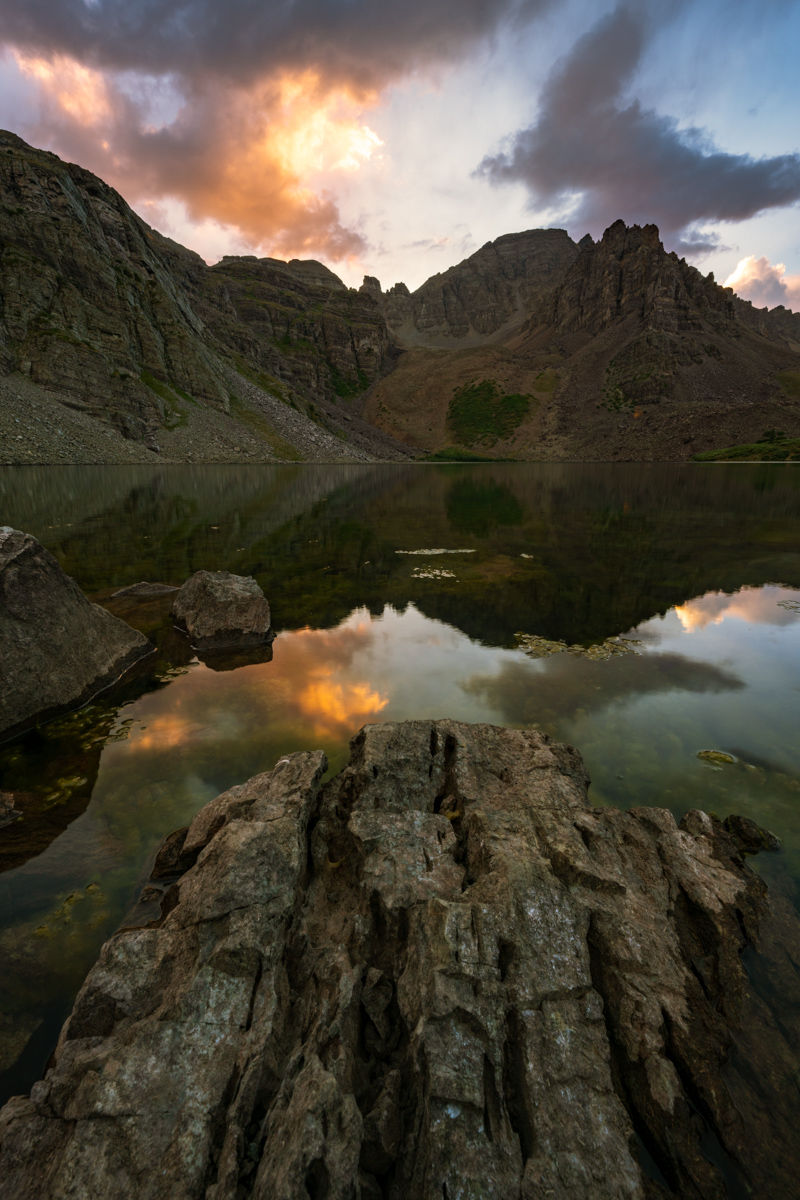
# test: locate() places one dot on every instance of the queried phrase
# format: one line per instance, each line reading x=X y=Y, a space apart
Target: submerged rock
x=218 y=609
x=58 y=649
x=536 y=646
x=749 y=837
x=8 y=811
x=145 y=589
x=441 y=974
x=717 y=757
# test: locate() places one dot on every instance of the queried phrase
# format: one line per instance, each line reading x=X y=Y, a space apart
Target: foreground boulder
x=442 y=974
x=217 y=609
x=58 y=649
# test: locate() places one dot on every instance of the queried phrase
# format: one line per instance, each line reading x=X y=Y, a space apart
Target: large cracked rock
x=442 y=974
x=58 y=649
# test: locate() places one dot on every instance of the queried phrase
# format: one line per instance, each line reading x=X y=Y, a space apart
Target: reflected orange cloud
x=325 y=703
x=164 y=732
x=319 y=661
x=249 y=158
x=757 y=605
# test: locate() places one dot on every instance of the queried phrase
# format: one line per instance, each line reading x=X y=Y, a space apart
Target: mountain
x=127 y=347
x=482 y=298
x=119 y=345
x=633 y=353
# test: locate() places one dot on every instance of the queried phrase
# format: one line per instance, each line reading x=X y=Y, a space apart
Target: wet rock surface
x=444 y=973
x=59 y=649
x=217 y=610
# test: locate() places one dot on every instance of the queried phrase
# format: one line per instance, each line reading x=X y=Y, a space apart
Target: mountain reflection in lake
x=701 y=565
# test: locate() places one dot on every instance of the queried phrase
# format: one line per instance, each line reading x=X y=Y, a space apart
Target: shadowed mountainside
x=110 y=319
x=633 y=354
x=118 y=345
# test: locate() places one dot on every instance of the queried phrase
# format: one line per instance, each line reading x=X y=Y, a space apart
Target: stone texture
x=491 y=291
x=217 y=609
x=443 y=974
x=58 y=649
x=128 y=327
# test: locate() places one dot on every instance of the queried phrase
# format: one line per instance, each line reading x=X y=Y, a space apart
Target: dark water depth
x=697 y=567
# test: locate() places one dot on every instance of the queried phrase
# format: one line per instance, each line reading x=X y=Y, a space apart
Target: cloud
x=757 y=606
x=600 y=156
x=269 y=97
x=758 y=280
x=525 y=693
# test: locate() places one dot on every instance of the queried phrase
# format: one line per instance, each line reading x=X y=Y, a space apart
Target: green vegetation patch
x=482 y=414
x=772 y=446
x=455 y=454
x=263 y=430
x=175 y=412
x=790 y=382
x=347 y=388
x=546 y=381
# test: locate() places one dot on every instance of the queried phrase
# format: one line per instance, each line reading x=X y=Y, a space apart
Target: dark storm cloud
x=360 y=41
x=624 y=160
x=234 y=152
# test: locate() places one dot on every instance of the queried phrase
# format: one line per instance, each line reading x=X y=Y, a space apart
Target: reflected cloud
x=165 y=732
x=548 y=690
x=758 y=606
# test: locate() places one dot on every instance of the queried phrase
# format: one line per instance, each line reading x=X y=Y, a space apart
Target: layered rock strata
x=58 y=649
x=441 y=974
x=102 y=314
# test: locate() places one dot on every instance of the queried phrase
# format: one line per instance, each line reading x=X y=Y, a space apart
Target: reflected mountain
x=569 y=551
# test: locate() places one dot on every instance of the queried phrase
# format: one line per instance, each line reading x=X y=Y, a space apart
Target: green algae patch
x=480 y=413
x=717 y=757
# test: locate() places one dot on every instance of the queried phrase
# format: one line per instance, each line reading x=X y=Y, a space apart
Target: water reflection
x=686 y=560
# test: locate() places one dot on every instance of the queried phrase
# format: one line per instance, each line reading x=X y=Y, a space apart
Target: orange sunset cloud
x=243 y=157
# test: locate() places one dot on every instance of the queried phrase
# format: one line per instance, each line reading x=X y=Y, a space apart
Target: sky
x=394 y=139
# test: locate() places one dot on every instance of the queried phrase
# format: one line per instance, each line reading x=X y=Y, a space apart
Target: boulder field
x=440 y=974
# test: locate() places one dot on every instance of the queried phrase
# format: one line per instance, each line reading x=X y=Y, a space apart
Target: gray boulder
x=442 y=974
x=218 y=609
x=58 y=649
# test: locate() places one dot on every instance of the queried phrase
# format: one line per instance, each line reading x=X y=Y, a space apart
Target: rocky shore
x=442 y=973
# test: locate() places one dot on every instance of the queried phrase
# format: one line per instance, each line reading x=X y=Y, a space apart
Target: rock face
x=58 y=649
x=217 y=609
x=672 y=332
x=443 y=974
x=131 y=328
x=492 y=290
x=299 y=323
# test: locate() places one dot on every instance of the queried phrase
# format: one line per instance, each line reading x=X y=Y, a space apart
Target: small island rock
x=218 y=609
x=58 y=649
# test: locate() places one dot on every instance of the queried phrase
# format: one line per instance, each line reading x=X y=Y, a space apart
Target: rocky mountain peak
x=484 y=297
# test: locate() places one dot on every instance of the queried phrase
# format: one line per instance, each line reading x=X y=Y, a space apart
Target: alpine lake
x=647 y=613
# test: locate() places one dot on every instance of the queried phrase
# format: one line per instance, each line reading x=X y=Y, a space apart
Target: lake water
x=696 y=566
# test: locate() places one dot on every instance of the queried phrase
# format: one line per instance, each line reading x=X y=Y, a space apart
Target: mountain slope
x=106 y=318
x=482 y=298
x=633 y=354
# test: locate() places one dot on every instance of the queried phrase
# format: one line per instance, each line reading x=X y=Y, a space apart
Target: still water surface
x=699 y=565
